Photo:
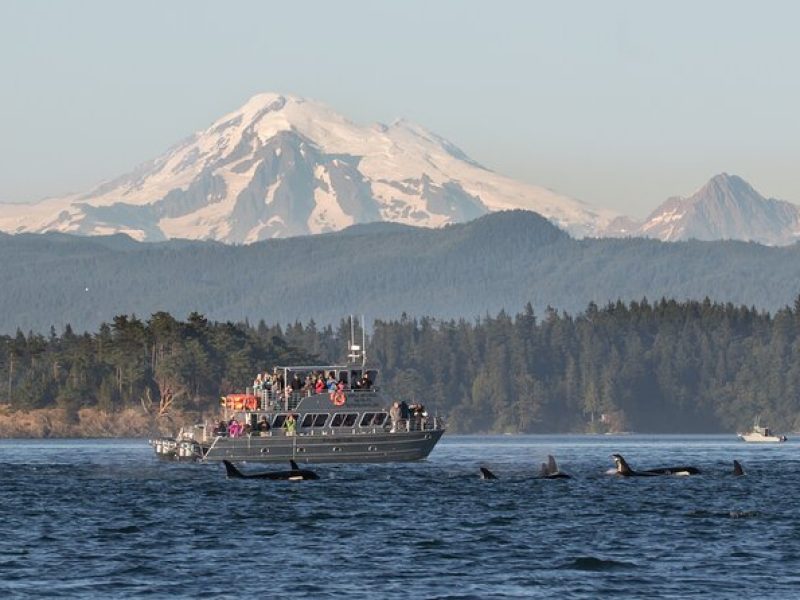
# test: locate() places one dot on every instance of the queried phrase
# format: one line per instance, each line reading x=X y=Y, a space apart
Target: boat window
x=278 y=422
x=376 y=419
x=344 y=420
x=314 y=420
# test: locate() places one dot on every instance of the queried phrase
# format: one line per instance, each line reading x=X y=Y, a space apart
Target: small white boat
x=761 y=434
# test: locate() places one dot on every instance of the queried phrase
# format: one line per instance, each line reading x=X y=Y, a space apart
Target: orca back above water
x=550 y=470
x=738 y=471
x=624 y=470
x=294 y=474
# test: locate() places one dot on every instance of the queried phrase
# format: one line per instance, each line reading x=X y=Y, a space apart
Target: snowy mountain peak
x=282 y=165
x=726 y=207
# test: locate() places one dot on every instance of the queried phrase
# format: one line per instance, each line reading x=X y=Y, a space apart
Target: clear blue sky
x=620 y=104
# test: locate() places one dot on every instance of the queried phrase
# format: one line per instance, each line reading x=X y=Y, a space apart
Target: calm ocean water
x=99 y=519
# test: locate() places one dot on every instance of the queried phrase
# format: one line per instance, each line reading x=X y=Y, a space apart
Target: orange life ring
x=338 y=398
x=241 y=402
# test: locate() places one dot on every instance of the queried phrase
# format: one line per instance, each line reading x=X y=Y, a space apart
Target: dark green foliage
x=663 y=367
x=158 y=365
x=666 y=366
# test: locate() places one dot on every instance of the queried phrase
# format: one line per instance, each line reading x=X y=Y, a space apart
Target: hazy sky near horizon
x=620 y=103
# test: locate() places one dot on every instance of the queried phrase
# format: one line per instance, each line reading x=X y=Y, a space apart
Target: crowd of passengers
x=402 y=417
x=233 y=428
x=315 y=382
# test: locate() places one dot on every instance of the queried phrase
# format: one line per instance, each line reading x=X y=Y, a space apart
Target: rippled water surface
x=98 y=519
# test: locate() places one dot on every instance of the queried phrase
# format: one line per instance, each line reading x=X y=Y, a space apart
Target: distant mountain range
x=283 y=166
x=498 y=261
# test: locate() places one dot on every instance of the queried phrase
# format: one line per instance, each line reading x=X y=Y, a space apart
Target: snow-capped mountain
x=726 y=207
x=282 y=166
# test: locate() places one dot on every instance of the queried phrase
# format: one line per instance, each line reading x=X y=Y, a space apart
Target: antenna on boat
x=363 y=341
x=357 y=352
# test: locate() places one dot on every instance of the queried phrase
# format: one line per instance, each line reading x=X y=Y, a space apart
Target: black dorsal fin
x=294 y=465
x=231 y=471
x=487 y=474
x=738 y=471
x=622 y=465
x=552 y=467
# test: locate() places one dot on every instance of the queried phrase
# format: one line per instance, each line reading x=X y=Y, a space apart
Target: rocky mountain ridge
x=725 y=208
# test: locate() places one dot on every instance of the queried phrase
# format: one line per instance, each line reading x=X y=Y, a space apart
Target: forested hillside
x=665 y=366
x=500 y=261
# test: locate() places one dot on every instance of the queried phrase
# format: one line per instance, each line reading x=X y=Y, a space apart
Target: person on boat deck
x=417 y=414
x=405 y=413
x=309 y=384
x=290 y=425
x=278 y=382
x=235 y=428
x=331 y=383
x=263 y=425
x=257 y=383
x=296 y=384
x=319 y=386
x=365 y=383
x=221 y=429
x=394 y=415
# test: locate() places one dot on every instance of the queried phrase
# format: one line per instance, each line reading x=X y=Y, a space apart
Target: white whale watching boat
x=761 y=434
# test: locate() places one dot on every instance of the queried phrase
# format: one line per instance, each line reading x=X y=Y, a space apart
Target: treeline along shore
x=661 y=367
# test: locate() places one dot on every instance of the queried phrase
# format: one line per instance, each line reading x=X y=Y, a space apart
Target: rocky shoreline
x=88 y=423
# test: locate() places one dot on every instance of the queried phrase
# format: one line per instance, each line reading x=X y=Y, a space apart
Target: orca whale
x=624 y=470
x=738 y=471
x=487 y=474
x=550 y=470
x=294 y=474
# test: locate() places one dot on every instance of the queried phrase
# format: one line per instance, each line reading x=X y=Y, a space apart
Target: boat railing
x=430 y=423
x=286 y=400
x=417 y=424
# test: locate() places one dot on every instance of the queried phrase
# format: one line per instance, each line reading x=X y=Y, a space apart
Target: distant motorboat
x=761 y=434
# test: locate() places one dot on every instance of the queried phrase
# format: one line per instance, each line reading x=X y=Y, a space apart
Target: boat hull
x=762 y=439
x=315 y=449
